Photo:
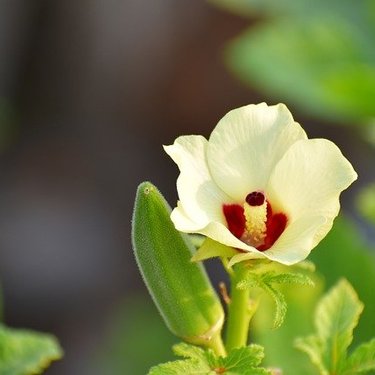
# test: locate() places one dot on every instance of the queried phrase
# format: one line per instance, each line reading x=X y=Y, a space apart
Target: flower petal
x=246 y=145
x=182 y=222
x=308 y=181
x=296 y=242
x=201 y=200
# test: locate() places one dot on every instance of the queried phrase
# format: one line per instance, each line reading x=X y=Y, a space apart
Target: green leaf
x=196 y=362
x=281 y=305
x=189 y=351
x=361 y=360
x=344 y=253
x=313 y=347
x=265 y=281
x=289 y=278
x=212 y=249
x=336 y=317
x=183 y=367
x=24 y=352
x=262 y=281
x=240 y=361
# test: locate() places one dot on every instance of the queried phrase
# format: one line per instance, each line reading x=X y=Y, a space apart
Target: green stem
x=239 y=312
x=217 y=345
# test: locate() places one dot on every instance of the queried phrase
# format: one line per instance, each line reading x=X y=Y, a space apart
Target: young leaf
x=245 y=360
x=357 y=258
x=189 y=351
x=313 y=347
x=281 y=305
x=288 y=278
x=336 y=317
x=196 y=362
x=361 y=360
x=265 y=281
x=26 y=352
x=241 y=361
x=182 y=367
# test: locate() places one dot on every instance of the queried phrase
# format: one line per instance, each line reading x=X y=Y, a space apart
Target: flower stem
x=239 y=312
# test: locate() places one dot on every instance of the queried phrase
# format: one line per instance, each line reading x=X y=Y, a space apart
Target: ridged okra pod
x=180 y=288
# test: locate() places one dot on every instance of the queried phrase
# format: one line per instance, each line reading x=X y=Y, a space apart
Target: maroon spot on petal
x=275 y=226
x=234 y=214
x=256 y=198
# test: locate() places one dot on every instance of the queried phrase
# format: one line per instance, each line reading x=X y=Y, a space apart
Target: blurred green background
x=90 y=90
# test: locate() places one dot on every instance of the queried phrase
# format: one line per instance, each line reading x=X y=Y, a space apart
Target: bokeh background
x=90 y=90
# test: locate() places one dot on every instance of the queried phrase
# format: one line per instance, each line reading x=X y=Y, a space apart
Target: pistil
x=254 y=222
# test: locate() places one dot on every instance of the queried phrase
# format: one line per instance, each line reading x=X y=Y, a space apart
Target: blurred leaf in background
x=26 y=352
x=319 y=55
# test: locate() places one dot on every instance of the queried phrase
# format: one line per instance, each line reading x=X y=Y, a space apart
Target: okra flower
x=259 y=185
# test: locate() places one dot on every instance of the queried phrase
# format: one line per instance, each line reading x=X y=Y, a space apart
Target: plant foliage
x=23 y=352
x=241 y=361
x=336 y=317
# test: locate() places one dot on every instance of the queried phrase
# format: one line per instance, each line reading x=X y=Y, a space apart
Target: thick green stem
x=239 y=312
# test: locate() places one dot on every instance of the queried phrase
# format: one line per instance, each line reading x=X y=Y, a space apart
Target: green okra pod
x=180 y=288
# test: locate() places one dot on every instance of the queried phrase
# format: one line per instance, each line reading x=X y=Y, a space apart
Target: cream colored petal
x=308 y=181
x=182 y=222
x=201 y=200
x=246 y=145
x=296 y=242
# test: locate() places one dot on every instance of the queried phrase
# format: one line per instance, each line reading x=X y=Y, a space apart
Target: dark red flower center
x=239 y=226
